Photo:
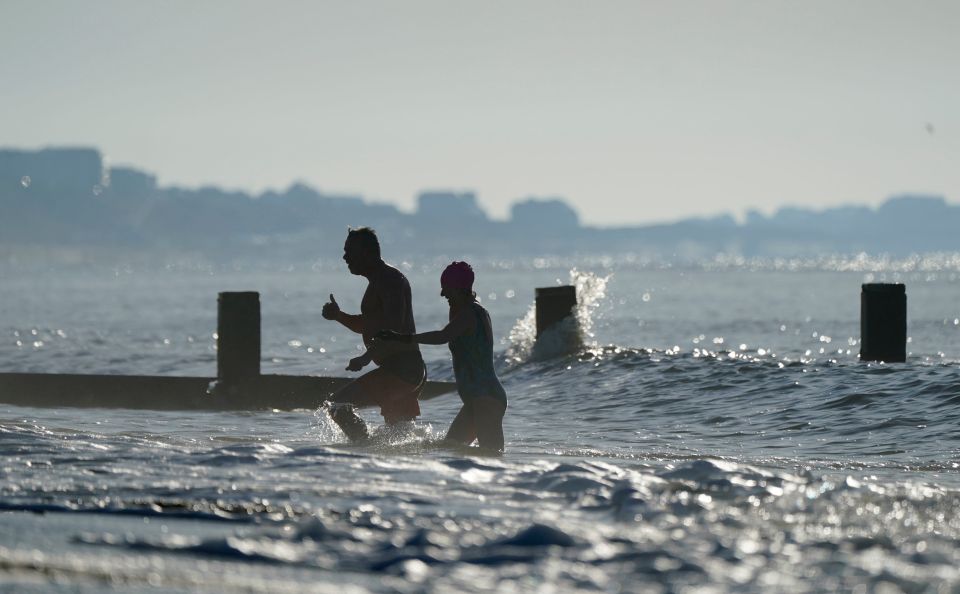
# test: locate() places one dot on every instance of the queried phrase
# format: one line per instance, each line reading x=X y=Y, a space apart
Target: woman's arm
x=434 y=337
x=458 y=326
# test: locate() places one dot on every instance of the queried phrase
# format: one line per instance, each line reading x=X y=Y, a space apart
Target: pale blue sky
x=633 y=111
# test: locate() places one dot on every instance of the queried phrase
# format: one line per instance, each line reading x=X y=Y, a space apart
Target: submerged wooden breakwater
x=883 y=322
x=239 y=385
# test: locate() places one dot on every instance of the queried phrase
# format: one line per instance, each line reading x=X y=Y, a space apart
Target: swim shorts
x=408 y=367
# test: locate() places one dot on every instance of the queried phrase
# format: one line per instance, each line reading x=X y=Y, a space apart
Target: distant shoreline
x=68 y=199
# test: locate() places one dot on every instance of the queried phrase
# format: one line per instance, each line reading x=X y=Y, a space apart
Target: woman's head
x=456 y=282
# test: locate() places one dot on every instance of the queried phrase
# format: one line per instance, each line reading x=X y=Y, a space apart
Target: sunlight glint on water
x=642 y=453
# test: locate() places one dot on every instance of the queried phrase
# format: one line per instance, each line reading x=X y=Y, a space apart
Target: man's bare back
x=387 y=305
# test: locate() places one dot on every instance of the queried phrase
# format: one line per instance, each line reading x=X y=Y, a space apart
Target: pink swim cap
x=458 y=275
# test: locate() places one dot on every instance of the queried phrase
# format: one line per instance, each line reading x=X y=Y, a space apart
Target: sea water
x=702 y=428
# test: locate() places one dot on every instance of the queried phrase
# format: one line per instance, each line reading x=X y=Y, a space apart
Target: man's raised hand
x=331 y=310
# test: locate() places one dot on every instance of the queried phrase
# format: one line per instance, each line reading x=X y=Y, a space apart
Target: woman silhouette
x=470 y=336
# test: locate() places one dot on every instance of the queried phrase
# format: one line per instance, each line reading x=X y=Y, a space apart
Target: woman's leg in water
x=462 y=429
x=488 y=419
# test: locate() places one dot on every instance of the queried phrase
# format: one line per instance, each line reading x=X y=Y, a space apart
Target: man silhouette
x=386 y=305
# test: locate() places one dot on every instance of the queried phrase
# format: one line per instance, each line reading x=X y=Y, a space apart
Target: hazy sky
x=633 y=111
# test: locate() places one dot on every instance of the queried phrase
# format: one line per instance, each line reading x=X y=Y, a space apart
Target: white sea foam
x=570 y=335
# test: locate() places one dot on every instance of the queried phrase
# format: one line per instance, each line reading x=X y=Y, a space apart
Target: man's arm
x=331 y=311
x=358 y=363
x=351 y=322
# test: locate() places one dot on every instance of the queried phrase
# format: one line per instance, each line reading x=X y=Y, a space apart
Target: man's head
x=361 y=250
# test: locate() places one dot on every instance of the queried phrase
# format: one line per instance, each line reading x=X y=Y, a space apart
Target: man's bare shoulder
x=389 y=279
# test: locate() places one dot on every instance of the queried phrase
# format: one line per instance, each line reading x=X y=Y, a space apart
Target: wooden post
x=553 y=305
x=883 y=322
x=238 y=336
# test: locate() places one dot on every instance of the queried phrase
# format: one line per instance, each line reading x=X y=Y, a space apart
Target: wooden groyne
x=284 y=392
x=883 y=322
x=553 y=305
x=239 y=385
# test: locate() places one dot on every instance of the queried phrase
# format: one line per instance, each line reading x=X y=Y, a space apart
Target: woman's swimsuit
x=473 y=361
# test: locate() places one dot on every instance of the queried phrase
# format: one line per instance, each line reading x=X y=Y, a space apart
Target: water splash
x=398 y=434
x=569 y=336
x=326 y=430
x=381 y=437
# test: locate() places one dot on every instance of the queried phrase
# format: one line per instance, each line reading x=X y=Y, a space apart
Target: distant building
x=919 y=208
x=755 y=217
x=550 y=213
x=448 y=207
x=125 y=181
x=65 y=169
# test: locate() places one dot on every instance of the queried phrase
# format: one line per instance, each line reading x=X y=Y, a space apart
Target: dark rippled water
x=714 y=432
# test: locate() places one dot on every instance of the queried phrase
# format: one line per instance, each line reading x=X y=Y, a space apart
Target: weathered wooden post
x=553 y=305
x=883 y=322
x=238 y=337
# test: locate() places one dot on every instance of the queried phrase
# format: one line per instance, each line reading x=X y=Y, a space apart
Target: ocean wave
x=698 y=523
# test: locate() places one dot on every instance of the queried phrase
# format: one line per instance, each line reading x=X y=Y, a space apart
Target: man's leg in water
x=462 y=429
x=488 y=418
x=348 y=420
x=377 y=387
